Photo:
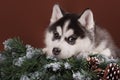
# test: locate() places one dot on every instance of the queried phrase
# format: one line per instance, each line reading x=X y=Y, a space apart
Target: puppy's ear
x=56 y=14
x=87 y=19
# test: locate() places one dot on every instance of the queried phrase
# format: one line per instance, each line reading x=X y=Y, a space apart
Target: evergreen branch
x=21 y=62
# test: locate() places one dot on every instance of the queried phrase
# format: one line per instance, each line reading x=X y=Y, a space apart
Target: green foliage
x=15 y=64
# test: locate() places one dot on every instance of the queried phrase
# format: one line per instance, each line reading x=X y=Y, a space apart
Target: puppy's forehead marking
x=59 y=30
x=69 y=33
x=65 y=27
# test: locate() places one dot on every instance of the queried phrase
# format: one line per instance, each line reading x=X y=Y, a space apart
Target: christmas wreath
x=24 y=62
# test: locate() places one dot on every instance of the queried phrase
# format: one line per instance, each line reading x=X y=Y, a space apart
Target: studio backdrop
x=28 y=19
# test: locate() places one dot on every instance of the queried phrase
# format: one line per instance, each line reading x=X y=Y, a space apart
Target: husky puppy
x=76 y=35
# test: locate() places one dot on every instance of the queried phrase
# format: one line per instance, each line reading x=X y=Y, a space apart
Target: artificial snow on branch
x=24 y=62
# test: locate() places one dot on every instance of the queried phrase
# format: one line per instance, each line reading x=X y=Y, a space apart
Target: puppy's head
x=69 y=34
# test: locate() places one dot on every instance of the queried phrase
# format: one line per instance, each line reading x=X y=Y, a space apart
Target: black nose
x=56 y=51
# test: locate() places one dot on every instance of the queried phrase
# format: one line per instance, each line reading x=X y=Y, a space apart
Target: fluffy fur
x=76 y=35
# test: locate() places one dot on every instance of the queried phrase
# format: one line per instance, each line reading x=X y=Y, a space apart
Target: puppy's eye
x=56 y=35
x=71 y=40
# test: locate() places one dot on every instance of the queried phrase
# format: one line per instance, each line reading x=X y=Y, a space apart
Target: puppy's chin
x=62 y=57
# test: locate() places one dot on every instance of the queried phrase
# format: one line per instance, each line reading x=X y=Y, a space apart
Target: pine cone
x=112 y=72
x=93 y=63
x=100 y=73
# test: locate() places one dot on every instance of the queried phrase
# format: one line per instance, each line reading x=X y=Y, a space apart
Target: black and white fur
x=76 y=35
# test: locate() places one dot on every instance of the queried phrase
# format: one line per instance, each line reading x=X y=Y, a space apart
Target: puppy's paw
x=83 y=55
x=44 y=50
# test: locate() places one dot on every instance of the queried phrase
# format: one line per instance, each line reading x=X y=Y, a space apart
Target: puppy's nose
x=56 y=51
